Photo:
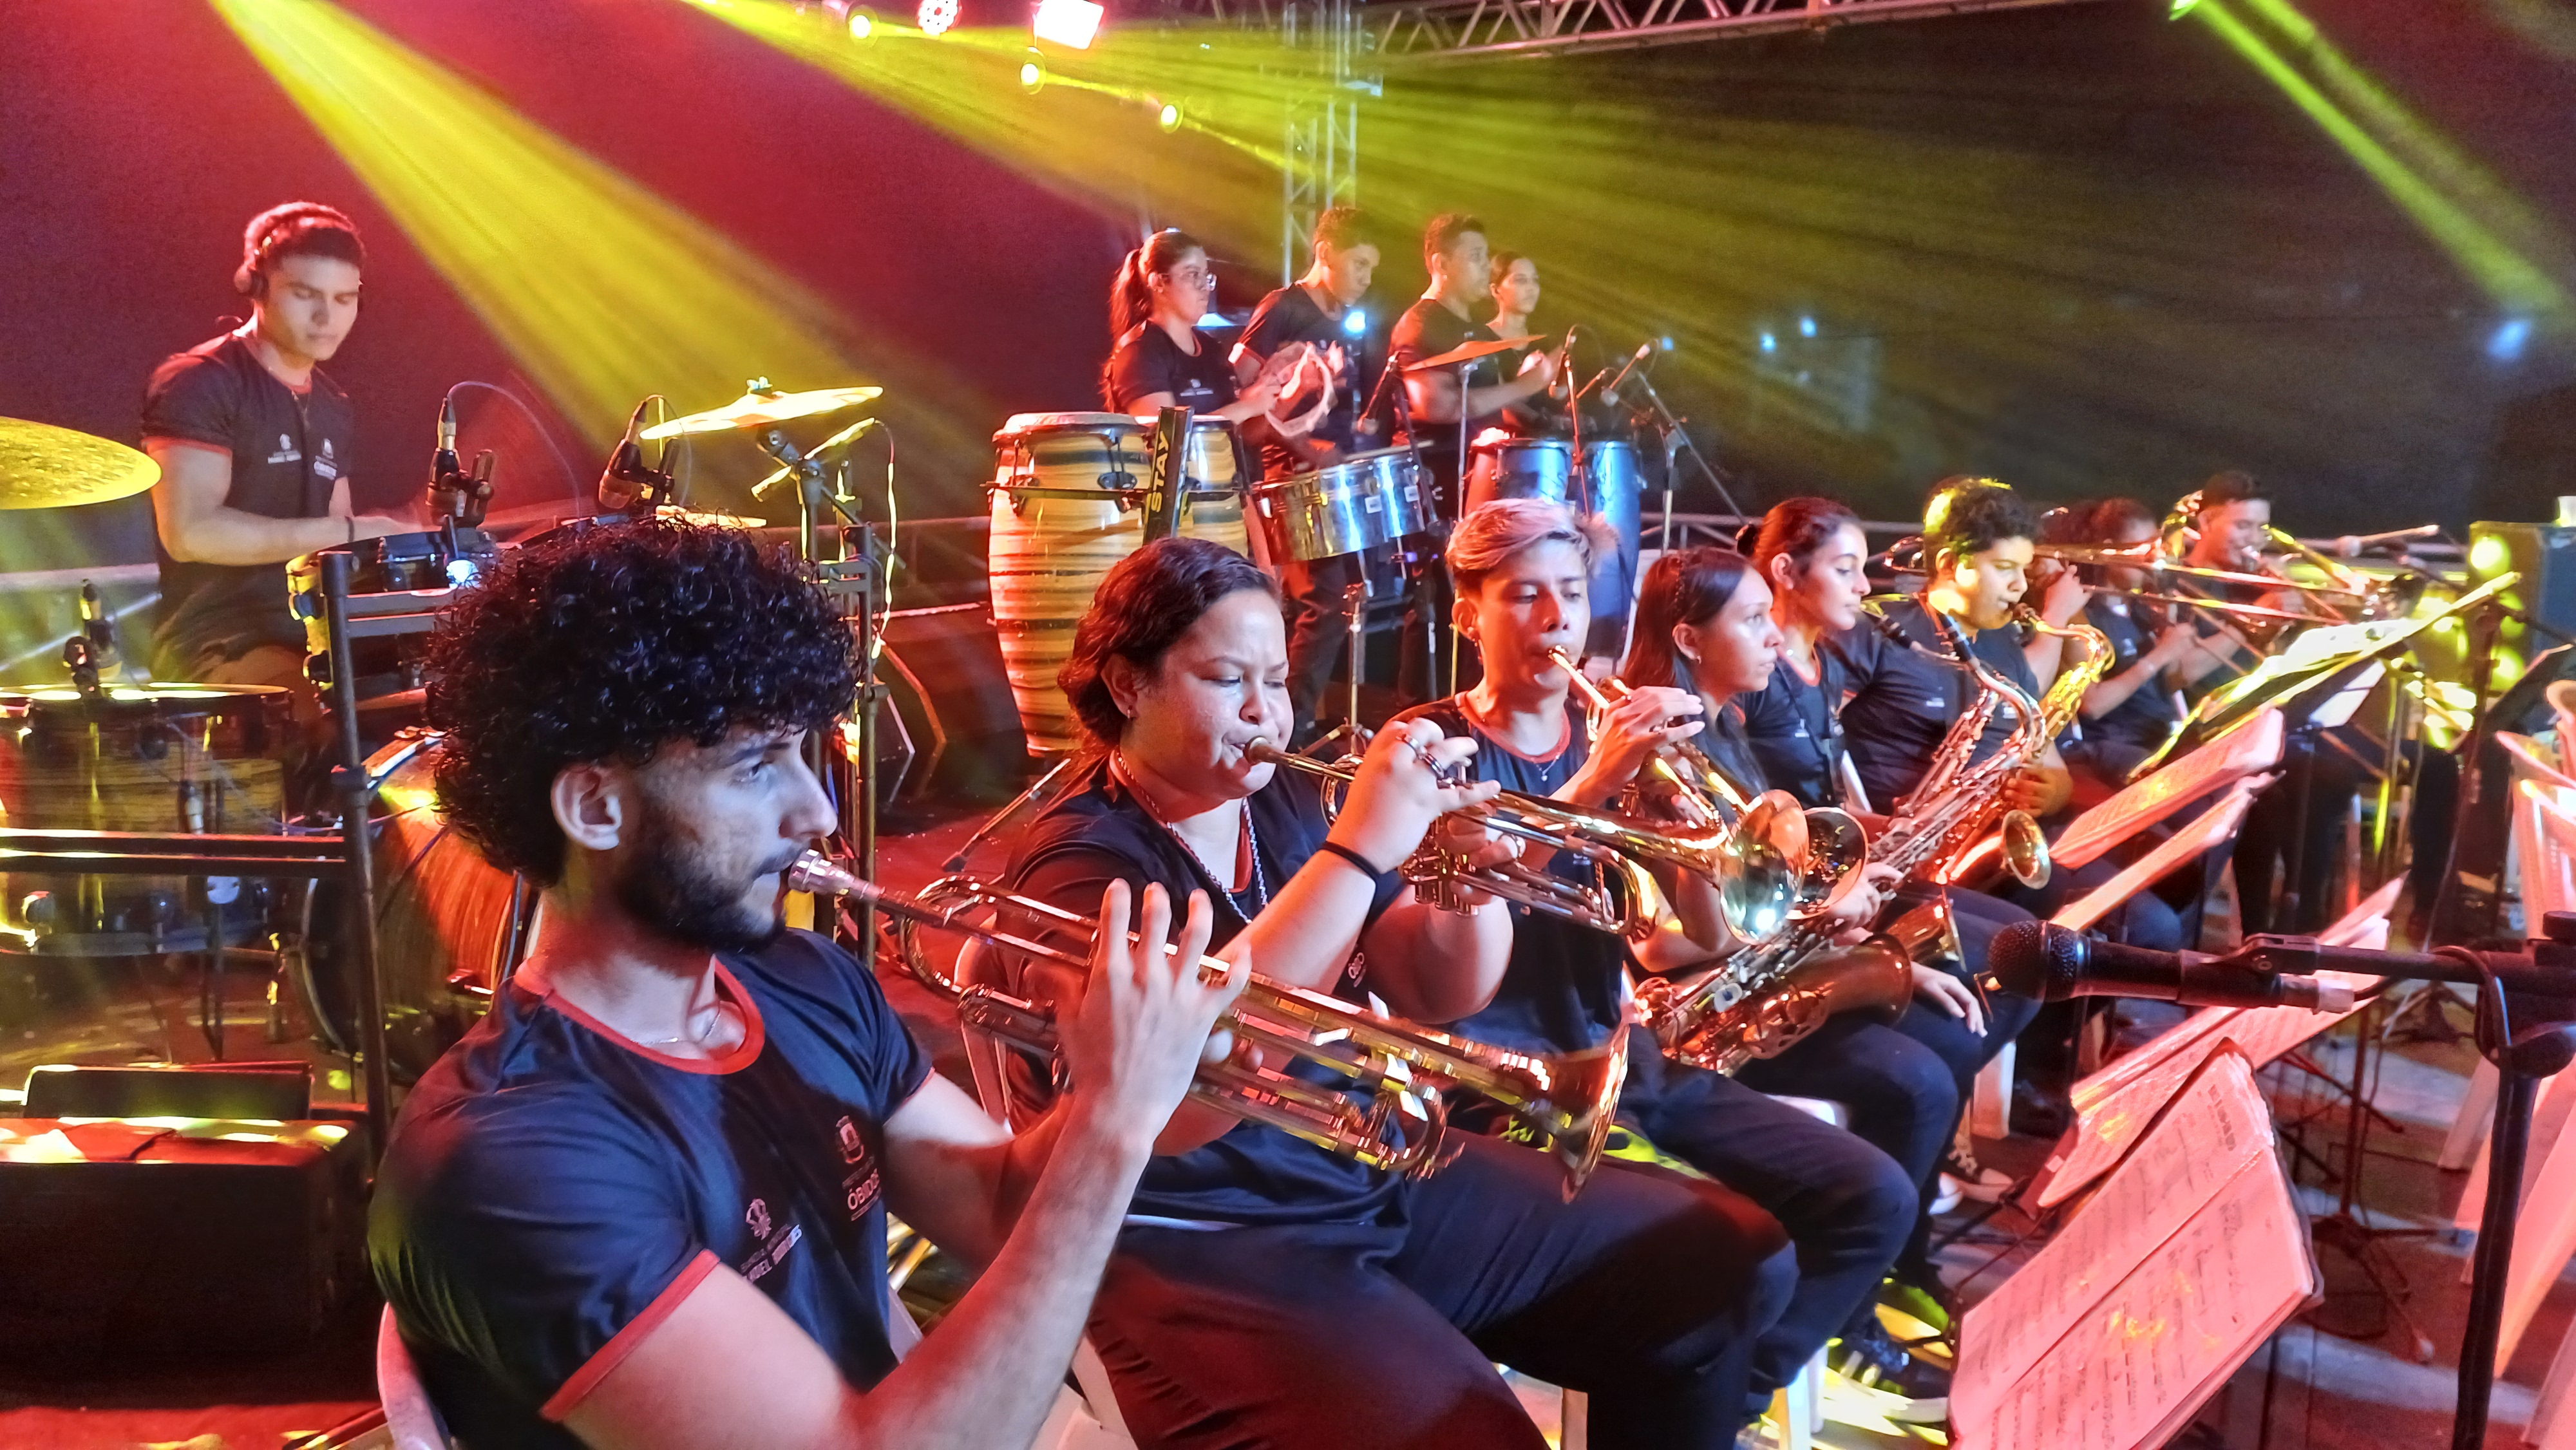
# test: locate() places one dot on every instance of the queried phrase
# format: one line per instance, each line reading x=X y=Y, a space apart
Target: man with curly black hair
x=643 y=1203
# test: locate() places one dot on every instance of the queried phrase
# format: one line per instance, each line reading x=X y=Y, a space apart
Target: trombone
x=2146 y=558
x=1569 y=1100
x=1753 y=865
x=1830 y=859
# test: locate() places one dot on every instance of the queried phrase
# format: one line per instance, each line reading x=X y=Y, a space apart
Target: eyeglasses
x=1193 y=280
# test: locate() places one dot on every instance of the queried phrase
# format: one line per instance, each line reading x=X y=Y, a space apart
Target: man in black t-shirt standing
x=1320 y=310
x=643 y=1203
x=254 y=443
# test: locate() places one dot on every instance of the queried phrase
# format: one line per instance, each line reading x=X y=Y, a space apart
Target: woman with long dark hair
x=1155 y=303
x=1257 y=1267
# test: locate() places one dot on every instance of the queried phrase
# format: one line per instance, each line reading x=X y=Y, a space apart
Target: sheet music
x=2216 y=1127
x=2256 y=746
x=2146 y=1356
x=2216 y=824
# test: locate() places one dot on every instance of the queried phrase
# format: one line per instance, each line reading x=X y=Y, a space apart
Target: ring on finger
x=1213 y=973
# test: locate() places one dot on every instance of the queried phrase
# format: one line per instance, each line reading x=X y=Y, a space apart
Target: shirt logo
x=853 y=1147
x=860 y=1186
x=757 y=1218
x=286 y=451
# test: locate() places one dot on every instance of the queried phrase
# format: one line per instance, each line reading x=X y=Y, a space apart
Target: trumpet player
x=1521 y=567
x=643 y=1202
x=1265 y=1291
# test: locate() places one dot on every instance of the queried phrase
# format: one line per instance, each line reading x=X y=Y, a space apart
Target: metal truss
x=1430 y=31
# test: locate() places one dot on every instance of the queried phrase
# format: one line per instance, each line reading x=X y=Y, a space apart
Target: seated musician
x=1266 y=1291
x=1160 y=361
x=254 y=442
x=1709 y=625
x=1522 y=569
x=643 y=1203
x=1316 y=312
x=2130 y=714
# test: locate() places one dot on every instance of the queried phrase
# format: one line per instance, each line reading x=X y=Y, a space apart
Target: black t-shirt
x=1565 y=986
x=1428 y=329
x=1098 y=833
x=1292 y=315
x=1904 y=699
x=552 y=1191
x=287 y=451
x=2147 y=716
x=1148 y=362
x=1793 y=729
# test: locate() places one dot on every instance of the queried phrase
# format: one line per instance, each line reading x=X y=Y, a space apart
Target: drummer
x=1161 y=292
x=254 y=442
x=1322 y=312
x=1454 y=251
x=1515 y=292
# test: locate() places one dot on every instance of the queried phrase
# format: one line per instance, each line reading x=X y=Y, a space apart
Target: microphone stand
x=1672 y=429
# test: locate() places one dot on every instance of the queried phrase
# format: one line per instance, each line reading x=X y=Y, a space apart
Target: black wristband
x=1356 y=859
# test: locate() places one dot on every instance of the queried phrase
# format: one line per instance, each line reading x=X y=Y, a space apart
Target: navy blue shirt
x=2147 y=716
x=1565 y=985
x=1793 y=729
x=1098 y=832
x=552 y=1191
x=1904 y=698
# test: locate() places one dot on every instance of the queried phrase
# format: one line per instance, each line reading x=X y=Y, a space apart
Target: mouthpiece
x=821 y=875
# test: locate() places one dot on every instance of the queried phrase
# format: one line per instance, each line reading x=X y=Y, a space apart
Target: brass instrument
x=1836 y=848
x=1753 y=866
x=2147 y=558
x=1569 y=1101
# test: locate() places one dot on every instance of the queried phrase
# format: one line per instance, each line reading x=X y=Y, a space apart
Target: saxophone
x=1765 y=998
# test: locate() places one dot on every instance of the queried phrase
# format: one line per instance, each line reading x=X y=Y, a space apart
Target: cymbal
x=761 y=405
x=1470 y=351
x=45 y=467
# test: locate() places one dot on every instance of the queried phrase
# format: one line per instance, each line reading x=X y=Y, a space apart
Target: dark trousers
x=1646 y=1292
x=1848 y=1199
x=1318 y=629
x=2297 y=819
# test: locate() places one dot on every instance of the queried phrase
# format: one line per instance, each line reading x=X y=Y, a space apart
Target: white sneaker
x=1945 y=1199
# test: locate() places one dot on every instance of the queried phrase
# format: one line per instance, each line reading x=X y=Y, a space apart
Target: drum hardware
x=761 y=406
x=1363 y=501
x=457 y=498
x=44 y=467
x=1164 y=465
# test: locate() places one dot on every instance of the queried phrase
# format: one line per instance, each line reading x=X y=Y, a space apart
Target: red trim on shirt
x=168 y=441
x=740 y=1056
x=585 y=1379
x=1563 y=742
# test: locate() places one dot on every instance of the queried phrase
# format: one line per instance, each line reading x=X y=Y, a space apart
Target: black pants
x=1646 y=1292
x=2298 y=818
x=1319 y=627
x=1846 y=1200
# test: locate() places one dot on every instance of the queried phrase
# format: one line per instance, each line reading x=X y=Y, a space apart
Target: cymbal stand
x=1672 y=427
x=355 y=791
x=1457 y=640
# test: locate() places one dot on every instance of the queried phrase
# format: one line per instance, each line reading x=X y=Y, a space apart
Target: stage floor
x=2322 y=1390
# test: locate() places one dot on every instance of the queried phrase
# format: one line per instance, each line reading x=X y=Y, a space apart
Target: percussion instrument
x=43 y=467
x=449 y=926
x=1068 y=490
x=1365 y=500
x=168 y=758
x=760 y=406
x=1544 y=468
x=1469 y=352
x=396 y=585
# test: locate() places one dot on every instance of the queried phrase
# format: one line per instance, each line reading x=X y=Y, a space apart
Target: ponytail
x=1131 y=297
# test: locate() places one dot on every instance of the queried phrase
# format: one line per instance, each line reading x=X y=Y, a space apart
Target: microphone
x=2048 y=962
x=2393 y=541
x=444 y=464
x=792 y=462
x=626 y=480
x=455 y=495
x=1610 y=394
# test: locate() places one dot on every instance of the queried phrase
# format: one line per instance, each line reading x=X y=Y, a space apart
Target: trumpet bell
x=2025 y=850
x=1584 y=1086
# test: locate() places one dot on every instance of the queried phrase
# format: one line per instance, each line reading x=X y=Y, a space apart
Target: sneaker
x=2040 y=1115
x=1945 y=1198
x=1760 y=1435
x=1975 y=1180
x=1867 y=1355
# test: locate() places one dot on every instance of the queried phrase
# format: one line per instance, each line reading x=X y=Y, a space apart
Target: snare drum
x=1068 y=490
x=1366 y=500
x=1544 y=468
x=164 y=758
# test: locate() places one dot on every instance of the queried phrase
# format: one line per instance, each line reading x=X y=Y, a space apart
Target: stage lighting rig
x=1033 y=76
x=936 y=16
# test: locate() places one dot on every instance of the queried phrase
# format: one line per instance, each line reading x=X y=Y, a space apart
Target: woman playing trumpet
x=1521 y=567
x=1264 y=1289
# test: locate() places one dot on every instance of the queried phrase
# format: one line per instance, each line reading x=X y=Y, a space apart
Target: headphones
x=270 y=230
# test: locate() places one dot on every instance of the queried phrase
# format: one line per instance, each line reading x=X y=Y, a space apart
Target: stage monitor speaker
x=953 y=730
x=209 y=1239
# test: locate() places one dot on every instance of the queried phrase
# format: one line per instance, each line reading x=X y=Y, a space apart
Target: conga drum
x=164 y=758
x=1068 y=493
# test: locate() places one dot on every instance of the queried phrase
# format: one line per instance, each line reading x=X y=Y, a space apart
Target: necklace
x=1247 y=849
x=717 y=1013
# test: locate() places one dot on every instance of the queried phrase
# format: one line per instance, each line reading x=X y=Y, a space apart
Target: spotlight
x=2179 y=9
x=936 y=16
x=1169 y=118
x=1033 y=73
x=861 y=27
x=861 y=24
x=1069 y=23
x=1770 y=342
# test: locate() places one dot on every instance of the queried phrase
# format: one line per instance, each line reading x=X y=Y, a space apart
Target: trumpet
x=1569 y=1101
x=1751 y=865
x=1828 y=861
